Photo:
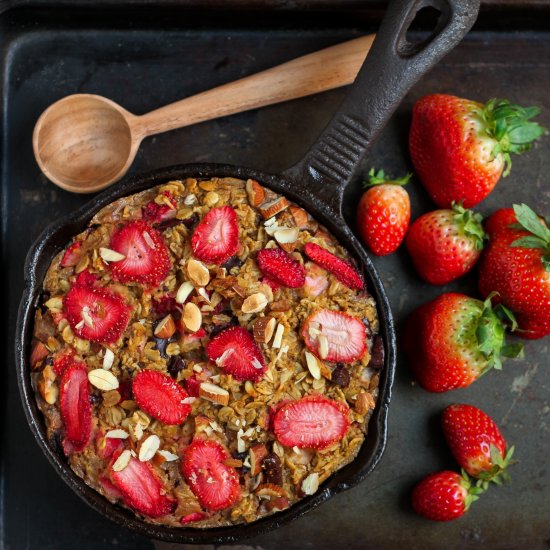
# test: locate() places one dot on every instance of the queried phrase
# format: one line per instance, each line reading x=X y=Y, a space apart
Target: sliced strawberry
x=75 y=406
x=236 y=352
x=195 y=516
x=107 y=446
x=213 y=483
x=160 y=396
x=146 y=261
x=345 y=336
x=271 y=283
x=341 y=269
x=216 y=238
x=142 y=490
x=63 y=360
x=281 y=267
x=86 y=279
x=39 y=352
x=72 y=255
x=109 y=489
x=192 y=385
x=158 y=213
x=313 y=422
x=96 y=314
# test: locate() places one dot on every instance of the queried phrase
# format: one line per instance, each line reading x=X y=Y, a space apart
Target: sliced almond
x=55 y=304
x=310 y=484
x=256 y=454
x=323 y=345
x=117 y=434
x=286 y=235
x=122 y=461
x=198 y=272
x=86 y=317
x=190 y=200
x=192 y=317
x=263 y=329
x=255 y=192
x=270 y=221
x=364 y=402
x=108 y=359
x=272 y=207
x=109 y=255
x=103 y=379
x=269 y=490
x=241 y=445
x=214 y=393
x=278 y=338
x=183 y=292
x=166 y=327
x=254 y=303
x=202 y=292
x=168 y=456
x=313 y=365
x=149 y=240
x=148 y=448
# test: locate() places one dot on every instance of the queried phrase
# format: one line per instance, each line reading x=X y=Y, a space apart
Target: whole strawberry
x=516 y=265
x=476 y=442
x=460 y=148
x=383 y=214
x=444 y=496
x=454 y=339
x=445 y=244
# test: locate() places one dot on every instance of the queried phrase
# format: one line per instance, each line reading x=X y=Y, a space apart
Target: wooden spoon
x=85 y=142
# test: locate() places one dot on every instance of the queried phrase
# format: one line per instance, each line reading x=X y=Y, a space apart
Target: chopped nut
x=38 y=354
x=214 y=393
x=241 y=445
x=183 y=292
x=280 y=305
x=270 y=490
x=255 y=192
x=190 y=200
x=108 y=359
x=364 y=403
x=46 y=386
x=109 y=255
x=148 y=448
x=310 y=484
x=272 y=207
x=263 y=329
x=313 y=365
x=122 y=461
x=254 y=303
x=256 y=454
x=233 y=462
x=192 y=317
x=166 y=327
x=117 y=434
x=103 y=379
x=287 y=236
x=278 y=338
x=198 y=272
x=300 y=216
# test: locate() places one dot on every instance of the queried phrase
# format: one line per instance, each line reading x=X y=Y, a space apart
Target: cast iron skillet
x=317 y=183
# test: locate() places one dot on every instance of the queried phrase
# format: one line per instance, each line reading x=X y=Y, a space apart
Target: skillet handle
x=391 y=68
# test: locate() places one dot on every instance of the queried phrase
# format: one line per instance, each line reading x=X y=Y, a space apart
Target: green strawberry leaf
x=529 y=242
x=531 y=222
x=380 y=177
x=546 y=261
x=513 y=351
x=511 y=127
x=470 y=224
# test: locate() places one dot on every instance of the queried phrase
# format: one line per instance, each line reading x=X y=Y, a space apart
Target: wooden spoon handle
x=316 y=72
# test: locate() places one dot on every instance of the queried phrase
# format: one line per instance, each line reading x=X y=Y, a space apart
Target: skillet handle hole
x=426 y=24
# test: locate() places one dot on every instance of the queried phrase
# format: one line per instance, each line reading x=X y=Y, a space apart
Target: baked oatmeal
x=205 y=353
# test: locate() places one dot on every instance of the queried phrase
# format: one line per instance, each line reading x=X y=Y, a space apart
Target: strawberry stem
x=379 y=178
x=539 y=232
x=510 y=125
x=474 y=490
x=491 y=331
x=470 y=224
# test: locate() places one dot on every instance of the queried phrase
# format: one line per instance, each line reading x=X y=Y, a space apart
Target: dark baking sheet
x=144 y=57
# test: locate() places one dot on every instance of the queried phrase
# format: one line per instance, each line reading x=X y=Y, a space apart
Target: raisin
x=273 y=469
x=377 y=353
x=242 y=456
x=160 y=344
x=176 y=365
x=340 y=376
x=234 y=261
x=192 y=221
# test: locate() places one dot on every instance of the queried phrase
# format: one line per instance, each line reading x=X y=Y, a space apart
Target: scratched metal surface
x=143 y=67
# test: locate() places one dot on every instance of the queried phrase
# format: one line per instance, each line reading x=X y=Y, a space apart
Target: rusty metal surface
x=143 y=67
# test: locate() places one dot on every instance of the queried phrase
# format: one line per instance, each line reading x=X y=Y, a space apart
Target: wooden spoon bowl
x=84 y=142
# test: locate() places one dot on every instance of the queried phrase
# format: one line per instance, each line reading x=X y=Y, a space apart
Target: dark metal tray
x=146 y=55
